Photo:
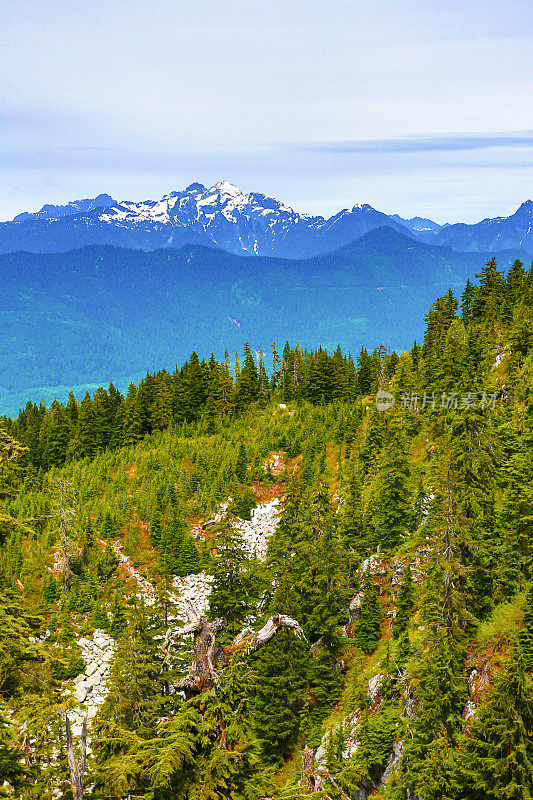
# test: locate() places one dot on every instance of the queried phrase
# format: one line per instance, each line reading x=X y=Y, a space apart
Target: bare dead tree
x=65 y=569
x=325 y=771
x=381 y=352
x=263 y=379
x=310 y=780
x=77 y=768
x=65 y=515
x=295 y=374
x=209 y=659
x=26 y=747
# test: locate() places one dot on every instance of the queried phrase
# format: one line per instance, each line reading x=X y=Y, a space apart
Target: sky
x=421 y=108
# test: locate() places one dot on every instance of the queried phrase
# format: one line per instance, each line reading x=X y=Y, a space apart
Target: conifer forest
x=280 y=574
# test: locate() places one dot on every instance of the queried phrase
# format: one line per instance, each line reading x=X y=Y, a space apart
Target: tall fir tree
x=281 y=668
x=515 y=524
x=128 y=718
x=526 y=634
x=496 y=760
x=233 y=586
x=392 y=501
x=369 y=627
x=247 y=382
x=404 y=604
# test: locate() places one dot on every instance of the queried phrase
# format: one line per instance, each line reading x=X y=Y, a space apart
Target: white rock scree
x=191 y=600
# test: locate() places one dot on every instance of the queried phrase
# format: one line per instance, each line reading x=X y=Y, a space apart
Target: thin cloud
x=449 y=142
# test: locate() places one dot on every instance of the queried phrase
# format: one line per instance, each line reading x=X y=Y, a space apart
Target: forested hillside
x=241 y=583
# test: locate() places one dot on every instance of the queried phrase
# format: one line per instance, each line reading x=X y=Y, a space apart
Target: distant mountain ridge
x=82 y=318
x=490 y=234
x=51 y=212
x=224 y=217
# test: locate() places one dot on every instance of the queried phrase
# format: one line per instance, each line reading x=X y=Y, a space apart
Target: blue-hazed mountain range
x=222 y=216
x=99 y=313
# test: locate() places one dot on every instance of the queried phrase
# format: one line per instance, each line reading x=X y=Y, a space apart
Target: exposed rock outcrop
x=90 y=688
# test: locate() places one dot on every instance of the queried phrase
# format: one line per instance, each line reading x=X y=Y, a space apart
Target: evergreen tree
x=102 y=418
x=155 y=528
x=404 y=604
x=195 y=387
x=117 y=417
x=66 y=633
x=340 y=381
x=312 y=585
x=128 y=717
x=466 y=502
x=55 y=435
x=369 y=628
x=99 y=616
x=241 y=463
x=233 y=585
x=190 y=558
x=404 y=648
x=72 y=410
x=373 y=442
x=419 y=506
x=392 y=502
x=438 y=320
x=208 y=745
x=449 y=373
x=526 y=634
x=171 y=546
x=516 y=279
x=280 y=667
x=376 y=736
x=475 y=357
x=132 y=420
x=247 y=382
x=161 y=411
x=496 y=760
x=364 y=372
x=263 y=378
x=51 y=590
x=351 y=513
x=467 y=299
x=85 y=443
x=326 y=684
x=320 y=381
x=108 y=562
x=118 y=616
x=490 y=293
x=109 y=528
x=13 y=773
x=441 y=692
x=516 y=519
x=416 y=358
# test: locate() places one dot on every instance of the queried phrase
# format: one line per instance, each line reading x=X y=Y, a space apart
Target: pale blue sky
x=294 y=99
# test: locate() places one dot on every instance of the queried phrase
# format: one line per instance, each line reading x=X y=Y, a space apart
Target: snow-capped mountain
x=222 y=216
x=219 y=216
